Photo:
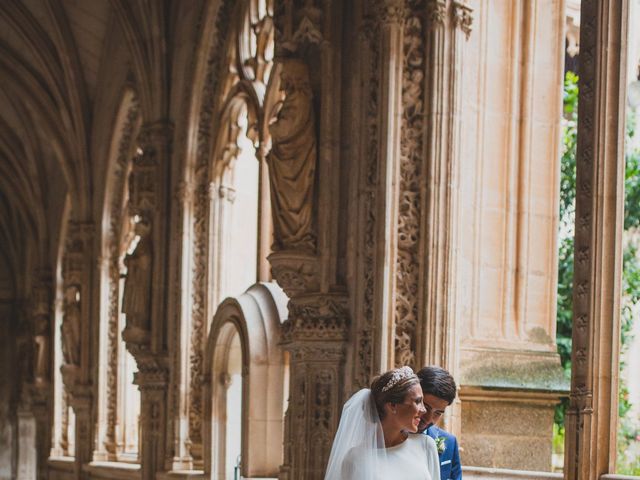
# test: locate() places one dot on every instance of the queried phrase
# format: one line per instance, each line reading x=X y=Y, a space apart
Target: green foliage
x=629 y=431
x=564 y=315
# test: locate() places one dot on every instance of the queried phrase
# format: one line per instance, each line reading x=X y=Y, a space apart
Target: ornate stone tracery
x=231 y=90
x=410 y=201
x=118 y=238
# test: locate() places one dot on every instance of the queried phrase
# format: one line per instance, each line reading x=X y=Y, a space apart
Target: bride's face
x=406 y=415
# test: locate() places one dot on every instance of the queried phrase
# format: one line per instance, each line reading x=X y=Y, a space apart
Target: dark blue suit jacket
x=450 y=468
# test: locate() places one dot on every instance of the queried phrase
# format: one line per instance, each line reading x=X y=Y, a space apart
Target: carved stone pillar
x=304 y=172
x=41 y=408
x=148 y=208
x=75 y=335
x=152 y=379
x=40 y=390
x=26 y=467
x=315 y=335
x=81 y=402
x=593 y=409
x=380 y=70
x=506 y=261
x=145 y=297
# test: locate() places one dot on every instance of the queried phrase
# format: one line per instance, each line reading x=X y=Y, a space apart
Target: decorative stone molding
x=463 y=17
x=409 y=195
x=369 y=183
x=314 y=408
x=199 y=274
x=295 y=272
x=115 y=250
x=317 y=318
x=298 y=29
x=436 y=12
x=391 y=12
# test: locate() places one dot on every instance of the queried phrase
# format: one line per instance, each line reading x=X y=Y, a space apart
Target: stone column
x=315 y=335
x=145 y=295
x=76 y=336
x=152 y=379
x=306 y=260
x=593 y=408
x=41 y=408
x=40 y=389
x=81 y=401
x=26 y=467
x=449 y=27
x=507 y=221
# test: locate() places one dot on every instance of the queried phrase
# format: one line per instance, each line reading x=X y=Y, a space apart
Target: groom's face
x=435 y=408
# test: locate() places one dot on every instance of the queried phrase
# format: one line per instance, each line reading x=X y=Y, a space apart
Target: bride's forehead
x=415 y=391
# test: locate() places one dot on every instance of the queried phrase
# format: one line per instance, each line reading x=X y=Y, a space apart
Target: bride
x=377 y=438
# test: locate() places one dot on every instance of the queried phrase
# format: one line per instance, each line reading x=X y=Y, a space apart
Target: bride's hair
x=392 y=386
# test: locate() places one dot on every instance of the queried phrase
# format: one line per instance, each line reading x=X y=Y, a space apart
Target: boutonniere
x=440 y=445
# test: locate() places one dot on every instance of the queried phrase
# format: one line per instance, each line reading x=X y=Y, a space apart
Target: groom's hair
x=438 y=382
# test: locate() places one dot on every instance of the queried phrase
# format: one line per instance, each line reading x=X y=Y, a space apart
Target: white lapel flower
x=440 y=445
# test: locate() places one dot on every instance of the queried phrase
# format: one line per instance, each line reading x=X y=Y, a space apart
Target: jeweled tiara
x=398 y=375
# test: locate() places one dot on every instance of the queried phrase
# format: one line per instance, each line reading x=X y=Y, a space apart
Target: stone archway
x=253 y=320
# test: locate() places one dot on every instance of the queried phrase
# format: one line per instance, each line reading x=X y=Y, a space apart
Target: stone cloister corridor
x=221 y=218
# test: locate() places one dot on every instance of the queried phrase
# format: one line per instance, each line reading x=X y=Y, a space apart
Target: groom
x=439 y=391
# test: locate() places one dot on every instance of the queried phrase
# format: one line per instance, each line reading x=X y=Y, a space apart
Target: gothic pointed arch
x=228 y=151
x=252 y=321
x=118 y=398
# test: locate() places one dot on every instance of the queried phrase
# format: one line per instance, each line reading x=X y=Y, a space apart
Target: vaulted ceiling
x=64 y=65
x=50 y=57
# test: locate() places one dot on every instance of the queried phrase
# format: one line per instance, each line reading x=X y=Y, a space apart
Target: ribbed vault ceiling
x=50 y=54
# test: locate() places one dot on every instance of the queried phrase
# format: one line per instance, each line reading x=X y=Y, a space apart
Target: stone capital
x=296 y=272
x=463 y=17
x=391 y=12
x=317 y=318
x=436 y=12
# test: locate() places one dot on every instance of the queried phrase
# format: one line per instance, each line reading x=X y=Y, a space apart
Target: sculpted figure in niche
x=292 y=162
x=70 y=328
x=136 y=299
x=41 y=340
x=24 y=348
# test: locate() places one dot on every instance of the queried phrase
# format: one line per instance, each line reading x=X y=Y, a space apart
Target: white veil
x=358 y=447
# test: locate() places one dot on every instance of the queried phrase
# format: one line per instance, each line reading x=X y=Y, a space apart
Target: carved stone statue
x=292 y=162
x=41 y=354
x=70 y=328
x=136 y=301
x=24 y=349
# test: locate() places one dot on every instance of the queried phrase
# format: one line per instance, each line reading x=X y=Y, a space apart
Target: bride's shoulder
x=425 y=441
